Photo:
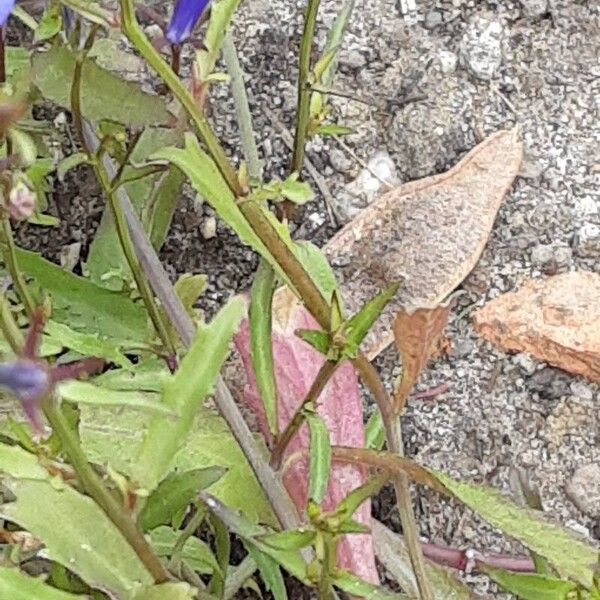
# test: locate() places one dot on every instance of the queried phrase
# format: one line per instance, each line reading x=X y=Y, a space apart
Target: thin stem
x=187 y=533
x=136 y=36
x=304 y=92
x=239 y=576
x=242 y=108
x=318 y=385
x=94 y=486
x=130 y=256
x=9 y=253
x=10 y=330
x=2 y=55
x=401 y=487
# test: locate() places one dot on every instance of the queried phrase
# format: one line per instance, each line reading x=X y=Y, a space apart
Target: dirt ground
x=430 y=88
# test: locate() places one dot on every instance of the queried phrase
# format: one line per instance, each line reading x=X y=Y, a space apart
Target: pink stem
x=432 y=392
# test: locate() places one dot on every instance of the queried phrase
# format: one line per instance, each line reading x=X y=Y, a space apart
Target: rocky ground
x=426 y=90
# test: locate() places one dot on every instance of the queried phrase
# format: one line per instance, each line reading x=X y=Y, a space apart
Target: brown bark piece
x=417 y=335
x=556 y=320
x=427 y=234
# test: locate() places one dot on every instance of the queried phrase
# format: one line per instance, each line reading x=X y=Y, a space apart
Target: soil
x=436 y=84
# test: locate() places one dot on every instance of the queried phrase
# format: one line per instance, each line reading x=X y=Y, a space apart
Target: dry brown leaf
x=427 y=234
x=556 y=320
x=417 y=336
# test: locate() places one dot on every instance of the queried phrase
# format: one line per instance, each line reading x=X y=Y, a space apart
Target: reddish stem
x=432 y=392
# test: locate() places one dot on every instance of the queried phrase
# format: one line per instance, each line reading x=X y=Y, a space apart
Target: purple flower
x=185 y=17
x=6 y=7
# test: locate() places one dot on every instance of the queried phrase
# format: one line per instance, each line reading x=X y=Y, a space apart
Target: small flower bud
x=185 y=17
x=21 y=201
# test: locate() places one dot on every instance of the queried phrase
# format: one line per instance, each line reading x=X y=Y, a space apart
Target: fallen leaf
x=427 y=234
x=296 y=365
x=556 y=320
x=417 y=338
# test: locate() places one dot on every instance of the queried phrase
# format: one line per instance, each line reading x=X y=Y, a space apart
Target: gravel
x=524 y=62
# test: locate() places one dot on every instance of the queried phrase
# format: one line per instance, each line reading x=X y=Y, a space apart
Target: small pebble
x=209 y=228
x=481 y=48
x=584 y=489
x=587 y=241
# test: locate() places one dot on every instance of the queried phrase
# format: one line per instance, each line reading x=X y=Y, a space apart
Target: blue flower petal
x=6 y=7
x=184 y=19
x=25 y=379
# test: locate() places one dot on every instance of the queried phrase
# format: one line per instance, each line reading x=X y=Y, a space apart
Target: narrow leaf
x=18 y=586
x=320 y=458
x=84 y=392
x=357 y=587
x=348 y=506
x=170 y=591
x=261 y=323
x=375 y=432
x=319 y=340
x=289 y=540
x=270 y=572
x=531 y=586
x=174 y=493
x=90 y=546
x=184 y=393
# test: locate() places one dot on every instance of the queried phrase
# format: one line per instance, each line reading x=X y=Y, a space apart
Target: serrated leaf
x=167 y=591
x=564 y=551
x=104 y=96
x=185 y=392
x=319 y=458
x=86 y=344
x=15 y=585
x=196 y=553
x=357 y=327
x=82 y=305
x=531 y=586
x=317 y=266
x=84 y=392
x=260 y=317
x=174 y=493
x=77 y=534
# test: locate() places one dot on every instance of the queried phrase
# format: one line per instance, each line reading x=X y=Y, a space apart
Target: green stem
x=239 y=576
x=304 y=92
x=10 y=330
x=94 y=486
x=10 y=258
x=318 y=385
x=242 y=108
x=401 y=486
x=136 y=36
x=187 y=533
x=130 y=255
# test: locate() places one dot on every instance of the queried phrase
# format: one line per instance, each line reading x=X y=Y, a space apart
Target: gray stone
x=432 y=19
x=581 y=390
x=352 y=59
x=526 y=363
x=549 y=383
x=584 y=489
x=448 y=61
x=209 y=228
x=587 y=241
x=339 y=161
x=481 y=47
x=563 y=257
x=542 y=255
x=534 y=8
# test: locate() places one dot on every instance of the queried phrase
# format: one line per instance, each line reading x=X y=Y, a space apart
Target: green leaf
x=330 y=129
x=185 y=392
x=290 y=560
x=298 y=192
x=86 y=344
x=196 y=553
x=565 y=552
x=270 y=572
x=106 y=262
x=319 y=458
x=104 y=96
x=174 y=493
x=167 y=591
x=84 y=392
x=223 y=554
x=148 y=375
x=77 y=534
x=83 y=305
x=531 y=586
x=261 y=346
x=70 y=162
x=92 y=11
x=220 y=17
x=289 y=540
x=375 y=431
x=17 y=58
x=317 y=266
x=357 y=327
x=50 y=23
x=20 y=464
x=355 y=586
x=348 y=506
x=18 y=586
x=319 y=340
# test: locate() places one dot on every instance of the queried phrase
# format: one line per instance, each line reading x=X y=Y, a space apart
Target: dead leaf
x=417 y=338
x=427 y=234
x=556 y=320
